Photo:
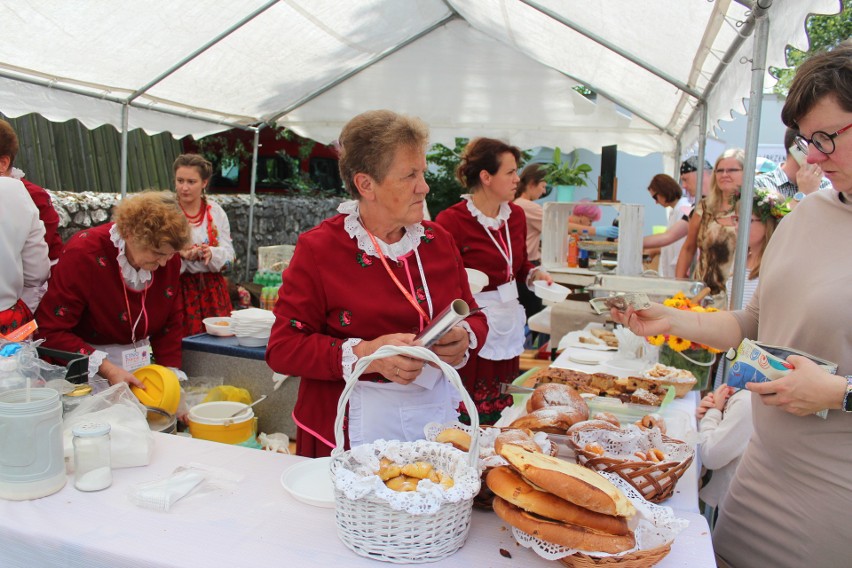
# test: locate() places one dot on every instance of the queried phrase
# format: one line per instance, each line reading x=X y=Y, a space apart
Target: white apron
x=116 y=355
x=392 y=411
x=506 y=321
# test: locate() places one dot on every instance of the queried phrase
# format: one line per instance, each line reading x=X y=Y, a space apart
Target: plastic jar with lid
x=92 y=466
x=71 y=400
x=10 y=376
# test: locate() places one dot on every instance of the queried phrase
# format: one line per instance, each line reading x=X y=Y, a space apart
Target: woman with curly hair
x=115 y=295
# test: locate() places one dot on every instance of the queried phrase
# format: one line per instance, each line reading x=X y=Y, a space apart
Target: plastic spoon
x=230 y=418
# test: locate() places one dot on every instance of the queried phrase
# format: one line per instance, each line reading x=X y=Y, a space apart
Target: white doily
x=653 y=526
x=354 y=474
x=488 y=458
x=624 y=443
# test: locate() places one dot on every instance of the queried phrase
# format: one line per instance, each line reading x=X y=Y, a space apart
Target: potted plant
x=565 y=175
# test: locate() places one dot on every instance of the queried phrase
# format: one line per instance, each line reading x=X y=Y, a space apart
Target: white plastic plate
x=310 y=482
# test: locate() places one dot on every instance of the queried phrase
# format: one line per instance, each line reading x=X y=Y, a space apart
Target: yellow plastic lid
x=162 y=388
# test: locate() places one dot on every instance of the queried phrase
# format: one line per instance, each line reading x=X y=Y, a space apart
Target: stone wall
x=278 y=220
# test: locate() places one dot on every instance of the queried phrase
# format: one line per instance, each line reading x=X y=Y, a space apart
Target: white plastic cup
x=32 y=460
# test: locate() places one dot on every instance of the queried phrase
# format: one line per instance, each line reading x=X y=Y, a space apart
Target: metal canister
x=72 y=400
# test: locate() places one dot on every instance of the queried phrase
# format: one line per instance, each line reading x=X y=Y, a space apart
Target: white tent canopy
x=501 y=68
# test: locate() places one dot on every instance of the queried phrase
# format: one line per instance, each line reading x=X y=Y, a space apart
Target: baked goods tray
x=624 y=410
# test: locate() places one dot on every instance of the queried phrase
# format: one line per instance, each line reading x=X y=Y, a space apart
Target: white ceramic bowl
x=477 y=279
x=222 y=327
x=252 y=341
x=552 y=293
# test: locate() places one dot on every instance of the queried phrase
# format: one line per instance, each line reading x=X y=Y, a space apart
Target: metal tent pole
x=678 y=152
x=755 y=101
x=125 y=120
x=702 y=152
x=255 y=145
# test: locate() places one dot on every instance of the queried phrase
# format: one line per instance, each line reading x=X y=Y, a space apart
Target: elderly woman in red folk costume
x=114 y=295
x=490 y=232
x=374 y=275
x=205 y=292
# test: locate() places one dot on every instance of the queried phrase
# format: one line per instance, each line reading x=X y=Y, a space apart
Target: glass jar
x=92 y=467
x=71 y=400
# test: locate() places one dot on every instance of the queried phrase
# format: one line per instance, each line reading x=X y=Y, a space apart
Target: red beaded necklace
x=198 y=217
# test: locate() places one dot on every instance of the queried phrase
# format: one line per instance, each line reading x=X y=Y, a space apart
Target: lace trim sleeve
x=95 y=361
x=349 y=357
x=471 y=346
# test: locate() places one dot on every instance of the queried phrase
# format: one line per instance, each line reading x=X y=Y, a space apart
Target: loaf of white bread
x=561 y=502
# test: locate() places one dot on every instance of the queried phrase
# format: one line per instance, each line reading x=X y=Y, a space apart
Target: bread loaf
x=564 y=534
x=509 y=485
x=569 y=481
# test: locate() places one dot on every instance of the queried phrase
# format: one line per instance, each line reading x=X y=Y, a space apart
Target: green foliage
x=218 y=149
x=444 y=189
x=567 y=173
x=824 y=32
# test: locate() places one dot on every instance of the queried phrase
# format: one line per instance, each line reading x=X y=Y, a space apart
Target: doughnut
x=564 y=534
x=509 y=485
x=607 y=417
x=653 y=421
x=554 y=419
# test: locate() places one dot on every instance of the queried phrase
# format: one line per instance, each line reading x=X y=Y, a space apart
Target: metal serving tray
x=657 y=289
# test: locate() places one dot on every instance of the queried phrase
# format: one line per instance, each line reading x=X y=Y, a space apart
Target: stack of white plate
x=252 y=326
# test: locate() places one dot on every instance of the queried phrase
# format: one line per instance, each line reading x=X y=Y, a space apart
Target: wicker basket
x=369 y=526
x=654 y=480
x=637 y=559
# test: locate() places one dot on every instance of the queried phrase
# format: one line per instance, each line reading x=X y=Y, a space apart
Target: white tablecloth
x=255 y=524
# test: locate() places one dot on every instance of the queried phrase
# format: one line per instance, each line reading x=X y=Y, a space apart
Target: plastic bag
x=229 y=393
x=30 y=365
x=192 y=480
x=131 y=440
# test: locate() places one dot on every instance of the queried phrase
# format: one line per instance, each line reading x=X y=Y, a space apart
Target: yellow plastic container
x=209 y=421
x=162 y=387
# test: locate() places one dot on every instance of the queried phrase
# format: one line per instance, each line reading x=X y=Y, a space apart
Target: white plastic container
x=32 y=462
x=92 y=467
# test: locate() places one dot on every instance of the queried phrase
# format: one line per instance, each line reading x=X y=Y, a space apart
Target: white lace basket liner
x=653 y=526
x=403 y=527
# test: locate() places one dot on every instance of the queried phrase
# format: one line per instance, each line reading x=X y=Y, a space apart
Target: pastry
x=569 y=481
x=511 y=486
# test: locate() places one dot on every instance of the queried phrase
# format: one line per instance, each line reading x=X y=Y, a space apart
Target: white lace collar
x=352 y=223
x=489 y=223
x=135 y=279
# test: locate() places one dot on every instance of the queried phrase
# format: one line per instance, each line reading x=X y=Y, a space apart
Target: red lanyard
x=396 y=281
x=141 y=312
x=506 y=254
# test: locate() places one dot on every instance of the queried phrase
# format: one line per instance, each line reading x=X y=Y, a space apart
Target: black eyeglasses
x=729 y=171
x=822 y=141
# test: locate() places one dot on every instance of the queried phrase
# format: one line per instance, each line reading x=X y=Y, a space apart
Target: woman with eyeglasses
x=711 y=231
x=790 y=500
x=666 y=192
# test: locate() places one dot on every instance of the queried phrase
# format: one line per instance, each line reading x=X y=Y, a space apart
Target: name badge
x=508 y=291
x=135 y=358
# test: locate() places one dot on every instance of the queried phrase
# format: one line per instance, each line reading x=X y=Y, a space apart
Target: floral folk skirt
x=482 y=379
x=205 y=295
